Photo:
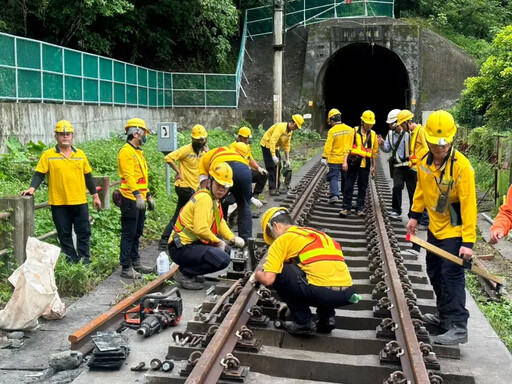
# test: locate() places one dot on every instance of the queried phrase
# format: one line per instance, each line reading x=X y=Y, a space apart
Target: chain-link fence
x=305 y=12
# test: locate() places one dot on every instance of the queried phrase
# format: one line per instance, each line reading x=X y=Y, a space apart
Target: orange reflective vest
x=321 y=247
x=142 y=182
x=217 y=214
x=360 y=149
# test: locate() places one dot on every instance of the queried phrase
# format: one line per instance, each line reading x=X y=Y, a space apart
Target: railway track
x=381 y=339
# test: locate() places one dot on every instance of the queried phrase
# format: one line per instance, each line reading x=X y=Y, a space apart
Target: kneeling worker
x=306 y=268
x=194 y=244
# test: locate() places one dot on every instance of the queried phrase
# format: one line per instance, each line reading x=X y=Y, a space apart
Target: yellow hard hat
x=64 y=126
x=199 y=132
x=265 y=221
x=242 y=149
x=245 y=132
x=137 y=123
x=403 y=116
x=440 y=128
x=222 y=174
x=333 y=112
x=368 y=117
x=299 y=120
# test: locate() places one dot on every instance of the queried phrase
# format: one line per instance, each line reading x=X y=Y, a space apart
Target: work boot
x=273 y=192
x=434 y=319
x=283 y=190
x=129 y=273
x=144 y=269
x=187 y=282
x=199 y=278
x=326 y=325
x=344 y=213
x=162 y=245
x=299 y=329
x=333 y=200
x=457 y=334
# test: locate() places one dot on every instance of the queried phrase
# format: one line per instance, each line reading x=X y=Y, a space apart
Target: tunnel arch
x=363 y=76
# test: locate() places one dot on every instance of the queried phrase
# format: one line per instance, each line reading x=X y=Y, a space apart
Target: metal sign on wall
x=167 y=136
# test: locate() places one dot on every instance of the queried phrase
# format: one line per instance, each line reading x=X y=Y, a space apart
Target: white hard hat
x=392 y=116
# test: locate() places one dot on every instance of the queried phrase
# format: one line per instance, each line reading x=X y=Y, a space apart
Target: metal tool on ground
x=467 y=264
x=155 y=312
x=287 y=175
x=110 y=352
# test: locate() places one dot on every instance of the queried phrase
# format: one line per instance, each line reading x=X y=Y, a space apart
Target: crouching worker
x=194 y=243
x=306 y=268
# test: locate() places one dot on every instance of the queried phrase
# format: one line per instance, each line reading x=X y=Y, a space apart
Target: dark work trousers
x=184 y=195
x=361 y=175
x=402 y=176
x=333 y=178
x=272 y=169
x=241 y=191
x=132 y=226
x=292 y=286
x=198 y=259
x=260 y=181
x=448 y=280
x=65 y=218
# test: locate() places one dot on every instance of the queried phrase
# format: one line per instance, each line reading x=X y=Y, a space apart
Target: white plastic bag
x=35 y=291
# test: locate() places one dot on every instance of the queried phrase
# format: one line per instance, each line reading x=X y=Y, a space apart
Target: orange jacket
x=504 y=218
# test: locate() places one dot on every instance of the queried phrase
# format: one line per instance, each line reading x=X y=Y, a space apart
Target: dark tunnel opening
x=365 y=76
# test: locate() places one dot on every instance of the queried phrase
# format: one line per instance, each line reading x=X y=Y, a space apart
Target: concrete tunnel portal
x=365 y=76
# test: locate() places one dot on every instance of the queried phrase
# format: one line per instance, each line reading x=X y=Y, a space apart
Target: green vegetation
x=77 y=279
x=499 y=313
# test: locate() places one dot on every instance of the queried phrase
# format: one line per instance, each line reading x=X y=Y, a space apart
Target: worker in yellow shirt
x=69 y=174
x=336 y=150
x=186 y=181
x=197 y=244
x=364 y=151
x=133 y=171
x=277 y=136
x=307 y=269
x=446 y=188
x=241 y=190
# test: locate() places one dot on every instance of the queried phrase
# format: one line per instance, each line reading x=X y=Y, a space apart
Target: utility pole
x=278 y=58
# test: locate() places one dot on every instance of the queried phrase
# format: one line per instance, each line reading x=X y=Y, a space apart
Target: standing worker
x=69 y=174
x=242 y=181
x=336 y=150
x=186 y=181
x=397 y=142
x=277 y=136
x=196 y=243
x=133 y=171
x=503 y=221
x=446 y=188
x=365 y=150
x=307 y=269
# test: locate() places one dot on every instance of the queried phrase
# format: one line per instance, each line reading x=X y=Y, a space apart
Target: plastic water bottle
x=162 y=263
x=355 y=298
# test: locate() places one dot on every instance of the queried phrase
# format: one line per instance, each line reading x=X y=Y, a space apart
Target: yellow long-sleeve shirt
x=323 y=273
x=277 y=137
x=338 y=143
x=198 y=217
x=419 y=147
x=216 y=156
x=66 y=183
x=188 y=166
x=463 y=191
x=133 y=171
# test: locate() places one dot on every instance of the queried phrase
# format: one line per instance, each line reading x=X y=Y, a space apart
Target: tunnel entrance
x=364 y=76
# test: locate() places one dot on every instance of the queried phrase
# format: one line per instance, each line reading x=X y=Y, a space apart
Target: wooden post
x=104 y=193
x=22 y=219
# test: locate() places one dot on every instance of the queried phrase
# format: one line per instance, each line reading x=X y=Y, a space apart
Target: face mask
x=144 y=139
x=197 y=145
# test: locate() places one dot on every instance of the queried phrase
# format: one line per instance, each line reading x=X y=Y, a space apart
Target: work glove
x=262 y=171
x=323 y=161
x=140 y=203
x=237 y=242
x=151 y=204
x=287 y=164
x=253 y=280
x=256 y=202
x=275 y=159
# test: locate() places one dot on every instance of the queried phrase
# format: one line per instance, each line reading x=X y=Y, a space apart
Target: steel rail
x=80 y=339
x=208 y=368
x=412 y=362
